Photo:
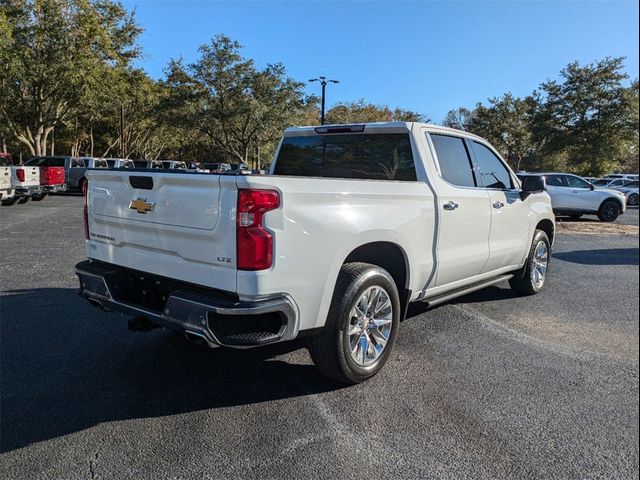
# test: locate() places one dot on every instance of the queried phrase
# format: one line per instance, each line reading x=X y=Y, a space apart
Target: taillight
x=20 y=174
x=254 y=242
x=85 y=195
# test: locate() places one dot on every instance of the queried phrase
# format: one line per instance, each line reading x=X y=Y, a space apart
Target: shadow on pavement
x=610 y=256
x=66 y=366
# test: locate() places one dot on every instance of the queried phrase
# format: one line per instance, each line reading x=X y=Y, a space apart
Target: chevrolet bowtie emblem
x=141 y=205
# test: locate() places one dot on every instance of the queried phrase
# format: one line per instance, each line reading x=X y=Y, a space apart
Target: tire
x=38 y=198
x=332 y=351
x=609 y=211
x=532 y=278
x=10 y=201
x=82 y=185
x=633 y=199
x=24 y=200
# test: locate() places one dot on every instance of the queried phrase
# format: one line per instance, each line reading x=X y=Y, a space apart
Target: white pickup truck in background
x=352 y=223
x=24 y=183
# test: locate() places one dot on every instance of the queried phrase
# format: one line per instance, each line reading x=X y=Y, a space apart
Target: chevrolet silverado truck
x=351 y=224
x=25 y=183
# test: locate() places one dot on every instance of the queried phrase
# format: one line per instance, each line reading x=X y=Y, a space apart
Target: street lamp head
x=314 y=80
x=334 y=81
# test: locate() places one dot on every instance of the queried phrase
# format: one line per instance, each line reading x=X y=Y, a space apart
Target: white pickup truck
x=352 y=223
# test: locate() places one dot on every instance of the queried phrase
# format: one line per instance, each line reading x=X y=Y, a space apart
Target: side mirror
x=532 y=184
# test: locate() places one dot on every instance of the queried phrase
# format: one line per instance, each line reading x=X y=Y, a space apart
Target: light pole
x=323 y=81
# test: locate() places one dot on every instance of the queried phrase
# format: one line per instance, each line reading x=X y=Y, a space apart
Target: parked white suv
x=352 y=223
x=573 y=196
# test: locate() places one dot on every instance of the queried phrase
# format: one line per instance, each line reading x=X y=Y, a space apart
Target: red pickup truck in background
x=52 y=175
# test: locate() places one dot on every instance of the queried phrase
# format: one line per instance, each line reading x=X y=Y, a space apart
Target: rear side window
x=454 y=161
x=375 y=156
x=78 y=163
x=556 y=180
x=493 y=173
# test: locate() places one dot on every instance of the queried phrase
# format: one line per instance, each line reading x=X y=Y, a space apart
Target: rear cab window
x=364 y=156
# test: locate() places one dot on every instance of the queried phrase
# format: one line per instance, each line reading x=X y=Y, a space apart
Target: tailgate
x=51 y=175
x=31 y=176
x=5 y=178
x=169 y=223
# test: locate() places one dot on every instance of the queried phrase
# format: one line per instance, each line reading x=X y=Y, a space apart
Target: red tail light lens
x=85 y=194
x=254 y=242
x=20 y=174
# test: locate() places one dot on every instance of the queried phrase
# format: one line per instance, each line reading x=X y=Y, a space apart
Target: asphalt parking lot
x=491 y=386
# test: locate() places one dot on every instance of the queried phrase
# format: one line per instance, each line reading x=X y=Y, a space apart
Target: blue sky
x=424 y=56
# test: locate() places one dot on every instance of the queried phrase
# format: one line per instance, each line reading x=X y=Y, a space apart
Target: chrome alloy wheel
x=370 y=323
x=540 y=264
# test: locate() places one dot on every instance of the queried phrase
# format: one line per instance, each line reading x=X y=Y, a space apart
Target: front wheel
x=609 y=211
x=532 y=278
x=361 y=326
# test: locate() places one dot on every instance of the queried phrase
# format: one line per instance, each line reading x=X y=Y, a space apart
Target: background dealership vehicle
x=610 y=182
x=120 y=163
x=7 y=191
x=52 y=175
x=573 y=196
x=25 y=182
x=76 y=173
x=352 y=224
x=173 y=165
x=630 y=189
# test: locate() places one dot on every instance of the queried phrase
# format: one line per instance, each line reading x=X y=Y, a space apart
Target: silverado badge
x=141 y=205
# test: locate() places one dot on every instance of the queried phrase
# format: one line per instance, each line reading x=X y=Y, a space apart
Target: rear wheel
x=609 y=211
x=7 y=202
x=24 y=200
x=633 y=199
x=532 y=278
x=361 y=325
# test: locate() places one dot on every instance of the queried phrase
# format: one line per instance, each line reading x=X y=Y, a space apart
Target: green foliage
x=586 y=122
x=58 y=55
x=363 y=112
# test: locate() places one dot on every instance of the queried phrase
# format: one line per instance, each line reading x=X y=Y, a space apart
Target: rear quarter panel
x=322 y=220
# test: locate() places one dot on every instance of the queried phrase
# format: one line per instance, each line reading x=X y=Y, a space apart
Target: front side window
x=454 y=161
x=577 y=182
x=374 y=156
x=493 y=173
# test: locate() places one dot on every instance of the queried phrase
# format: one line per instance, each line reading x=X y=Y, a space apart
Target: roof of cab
x=381 y=127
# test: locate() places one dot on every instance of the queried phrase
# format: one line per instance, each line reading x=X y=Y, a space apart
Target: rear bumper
x=28 y=191
x=212 y=317
x=54 y=188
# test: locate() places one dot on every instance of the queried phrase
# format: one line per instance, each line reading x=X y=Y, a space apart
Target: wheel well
x=547 y=227
x=391 y=257
x=611 y=199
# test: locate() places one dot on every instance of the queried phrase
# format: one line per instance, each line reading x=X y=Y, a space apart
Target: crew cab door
x=510 y=230
x=464 y=212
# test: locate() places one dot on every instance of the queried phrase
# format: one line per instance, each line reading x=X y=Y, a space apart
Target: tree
x=56 y=55
x=363 y=112
x=459 y=118
x=589 y=116
x=506 y=123
x=241 y=109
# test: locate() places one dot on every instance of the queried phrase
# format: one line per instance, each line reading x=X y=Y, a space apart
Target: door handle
x=451 y=206
x=498 y=205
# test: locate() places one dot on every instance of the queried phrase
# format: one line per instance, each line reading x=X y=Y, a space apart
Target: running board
x=448 y=296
